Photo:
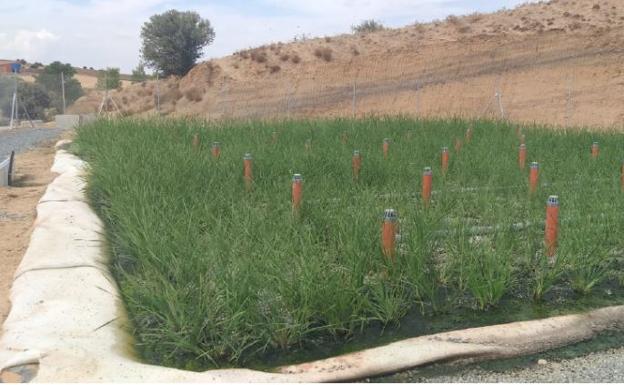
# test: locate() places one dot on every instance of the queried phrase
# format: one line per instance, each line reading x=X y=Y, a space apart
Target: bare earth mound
x=555 y=63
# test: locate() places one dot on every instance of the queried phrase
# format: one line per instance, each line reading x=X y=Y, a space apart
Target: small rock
x=542 y=361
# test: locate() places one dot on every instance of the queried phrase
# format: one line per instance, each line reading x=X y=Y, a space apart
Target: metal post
x=353 y=101
x=13 y=105
x=17 y=109
x=157 y=93
x=499 y=98
x=417 y=100
x=568 y=108
x=63 y=91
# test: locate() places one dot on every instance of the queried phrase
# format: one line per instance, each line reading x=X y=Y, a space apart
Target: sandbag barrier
x=67 y=321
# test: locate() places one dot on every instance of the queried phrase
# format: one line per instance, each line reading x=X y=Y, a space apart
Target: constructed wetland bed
x=260 y=244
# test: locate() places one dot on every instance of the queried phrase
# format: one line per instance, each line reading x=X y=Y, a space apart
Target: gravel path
x=22 y=139
x=603 y=366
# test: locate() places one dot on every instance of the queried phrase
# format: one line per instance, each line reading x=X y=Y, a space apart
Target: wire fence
x=28 y=97
x=551 y=79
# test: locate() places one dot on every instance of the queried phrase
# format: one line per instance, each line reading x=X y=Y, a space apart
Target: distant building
x=7 y=67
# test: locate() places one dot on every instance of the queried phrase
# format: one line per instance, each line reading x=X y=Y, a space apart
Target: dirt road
x=17 y=203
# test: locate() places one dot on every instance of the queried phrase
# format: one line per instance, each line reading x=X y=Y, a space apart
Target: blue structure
x=16 y=67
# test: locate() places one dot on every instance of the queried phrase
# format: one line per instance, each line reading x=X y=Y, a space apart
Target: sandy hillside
x=557 y=62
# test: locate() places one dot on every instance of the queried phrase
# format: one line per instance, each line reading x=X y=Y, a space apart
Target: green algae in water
x=414 y=324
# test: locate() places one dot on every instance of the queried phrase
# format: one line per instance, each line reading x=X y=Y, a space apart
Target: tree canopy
x=138 y=74
x=50 y=79
x=108 y=79
x=33 y=97
x=174 y=40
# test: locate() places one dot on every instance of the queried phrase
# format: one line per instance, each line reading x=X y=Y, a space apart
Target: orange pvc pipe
x=196 y=142
x=522 y=139
x=343 y=138
x=595 y=150
x=533 y=177
x=427 y=183
x=297 y=192
x=552 y=226
x=356 y=163
x=216 y=150
x=386 y=147
x=247 y=170
x=445 y=159
x=388 y=233
x=522 y=156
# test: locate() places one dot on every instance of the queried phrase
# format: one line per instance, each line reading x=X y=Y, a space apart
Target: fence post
x=63 y=91
x=353 y=101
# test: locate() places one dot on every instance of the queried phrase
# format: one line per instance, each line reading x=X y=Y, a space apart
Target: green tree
x=173 y=41
x=56 y=67
x=34 y=97
x=50 y=80
x=108 y=79
x=138 y=74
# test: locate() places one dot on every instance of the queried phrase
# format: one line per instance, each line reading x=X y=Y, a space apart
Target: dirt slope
x=557 y=62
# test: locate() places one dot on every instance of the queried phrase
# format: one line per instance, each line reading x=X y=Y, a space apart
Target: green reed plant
x=214 y=275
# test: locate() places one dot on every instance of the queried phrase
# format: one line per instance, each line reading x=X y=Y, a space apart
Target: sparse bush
x=328 y=39
x=596 y=7
x=420 y=28
x=463 y=28
x=258 y=55
x=452 y=19
x=284 y=57
x=474 y=17
x=169 y=95
x=367 y=26
x=274 y=68
x=295 y=59
x=324 y=53
x=242 y=53
x=194 y=94
x=355 y=51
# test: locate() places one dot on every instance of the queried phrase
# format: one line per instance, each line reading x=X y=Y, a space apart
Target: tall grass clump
x=215 y=274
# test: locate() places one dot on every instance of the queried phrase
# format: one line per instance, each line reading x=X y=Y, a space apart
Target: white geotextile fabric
x=67 y=317
x=4 y=171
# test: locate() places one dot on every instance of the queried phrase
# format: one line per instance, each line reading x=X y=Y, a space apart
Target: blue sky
x=105 y=33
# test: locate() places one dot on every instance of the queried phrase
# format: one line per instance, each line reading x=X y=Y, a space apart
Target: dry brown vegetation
x=194 y=94
x=537 y=53
x=324 y=53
